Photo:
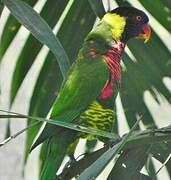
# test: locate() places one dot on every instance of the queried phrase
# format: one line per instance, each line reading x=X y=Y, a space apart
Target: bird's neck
x=113 y=58
x=102 y=33
x=116 y=24
x=109 y=41
x=110 y=27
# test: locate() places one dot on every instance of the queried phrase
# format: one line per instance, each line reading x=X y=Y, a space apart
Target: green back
x=85 y=81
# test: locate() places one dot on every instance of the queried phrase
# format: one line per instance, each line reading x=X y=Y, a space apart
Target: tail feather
x=57 y=151
x=52 y=130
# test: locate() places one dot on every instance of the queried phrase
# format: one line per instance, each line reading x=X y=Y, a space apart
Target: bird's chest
x=97 y=117
x=112 y=57
x=110 y=89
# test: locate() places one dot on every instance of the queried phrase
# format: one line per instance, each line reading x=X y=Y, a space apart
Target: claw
x=112 y=142
x=71 y=161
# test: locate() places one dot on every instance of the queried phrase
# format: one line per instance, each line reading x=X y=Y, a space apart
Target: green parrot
x=87 y=94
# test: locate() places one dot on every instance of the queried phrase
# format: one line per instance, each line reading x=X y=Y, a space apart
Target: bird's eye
x=138 y=18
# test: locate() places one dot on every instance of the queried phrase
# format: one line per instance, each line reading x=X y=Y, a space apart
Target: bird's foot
x=110 y=143
x=71 y=161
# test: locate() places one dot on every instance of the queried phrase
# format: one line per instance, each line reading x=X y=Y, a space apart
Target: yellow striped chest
x=98 y=117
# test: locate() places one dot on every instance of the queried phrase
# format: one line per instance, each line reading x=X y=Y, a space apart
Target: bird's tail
x=58 y=146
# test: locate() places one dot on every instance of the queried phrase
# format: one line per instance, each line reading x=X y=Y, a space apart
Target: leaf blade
x=39 y=28
x=10 y=30
x=57 y=122
x=32 y=46
x=97 y=7
x=129 y=164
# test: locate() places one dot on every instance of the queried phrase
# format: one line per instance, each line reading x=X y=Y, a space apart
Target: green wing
x=84 y=84
x=85 y=81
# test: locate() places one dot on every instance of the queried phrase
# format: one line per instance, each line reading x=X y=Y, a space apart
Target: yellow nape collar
x=117 y=24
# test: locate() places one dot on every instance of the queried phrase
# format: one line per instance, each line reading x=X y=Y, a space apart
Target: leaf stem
x=18 y=133
x=68 y=125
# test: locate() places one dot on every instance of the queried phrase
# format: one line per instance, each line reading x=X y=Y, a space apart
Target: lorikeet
x=87 y=95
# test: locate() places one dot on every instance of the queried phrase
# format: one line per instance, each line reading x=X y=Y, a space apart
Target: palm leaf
x=26 y=59
x=125 y=168
x=11 y=28
x=160 y=10
x=40 y=29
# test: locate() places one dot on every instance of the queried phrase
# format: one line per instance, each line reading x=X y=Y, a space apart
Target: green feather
x=56 y=152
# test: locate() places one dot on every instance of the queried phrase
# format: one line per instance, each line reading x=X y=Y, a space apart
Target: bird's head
x=127 y=23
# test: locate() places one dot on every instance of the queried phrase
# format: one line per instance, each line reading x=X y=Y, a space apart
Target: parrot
x=87 y=95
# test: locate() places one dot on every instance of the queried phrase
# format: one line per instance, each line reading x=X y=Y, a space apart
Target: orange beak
x=146 y=33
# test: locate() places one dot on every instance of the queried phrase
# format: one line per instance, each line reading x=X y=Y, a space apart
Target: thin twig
x=11 y=112
x=18 y=133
